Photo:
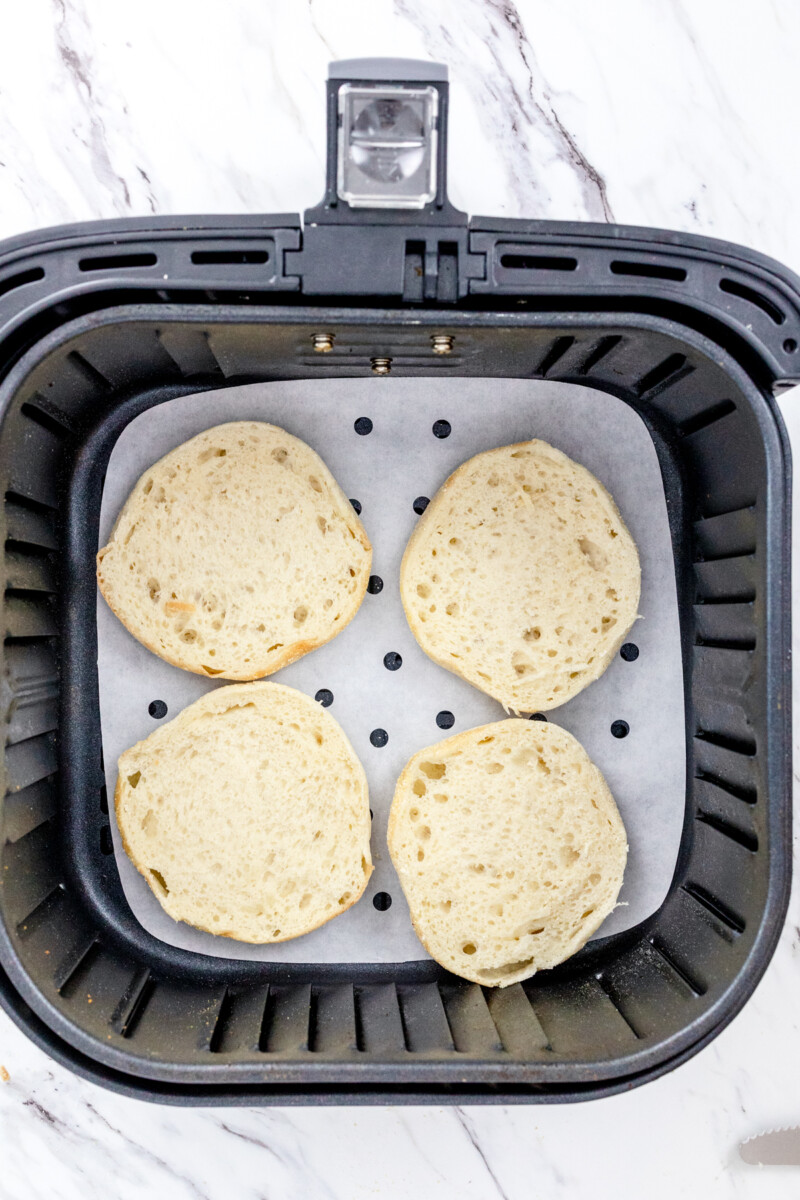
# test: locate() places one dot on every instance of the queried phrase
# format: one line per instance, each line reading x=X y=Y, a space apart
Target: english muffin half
x=509 y=848
x=521 y=576
x=248 y=815
x=236 y=553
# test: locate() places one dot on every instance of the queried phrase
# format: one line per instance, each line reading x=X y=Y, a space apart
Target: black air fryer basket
x=99 y=322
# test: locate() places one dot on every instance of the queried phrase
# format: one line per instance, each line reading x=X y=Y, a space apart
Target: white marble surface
x=671 y=114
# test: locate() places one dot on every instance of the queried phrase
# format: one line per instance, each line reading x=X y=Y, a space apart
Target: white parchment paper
x=386 y=470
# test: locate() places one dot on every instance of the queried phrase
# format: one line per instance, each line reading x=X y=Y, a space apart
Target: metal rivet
x=381 y=366
x=323 y=342
x=442 y=343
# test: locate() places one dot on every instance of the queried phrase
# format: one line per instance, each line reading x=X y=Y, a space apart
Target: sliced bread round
x=248 y=815
x=521 y=576
x=236 y=553
x=509 y=848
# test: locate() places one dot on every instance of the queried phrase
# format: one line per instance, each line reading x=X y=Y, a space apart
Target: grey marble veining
x=675 y=114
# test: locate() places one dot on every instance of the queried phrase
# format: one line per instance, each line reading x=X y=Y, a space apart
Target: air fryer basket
x=99 y=322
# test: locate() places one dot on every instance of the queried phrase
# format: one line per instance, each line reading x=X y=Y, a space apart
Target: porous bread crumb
x=236 y=553
x=4 y=1075
x=509 y=848
x=521 y=576
x=248 y=815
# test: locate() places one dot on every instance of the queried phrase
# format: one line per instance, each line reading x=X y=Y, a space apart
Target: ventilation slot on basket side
x=717 y=812
x=12 y=282
x=647 y=270
x=646 y=992
x=664 y=375
x=73 y=966
x=29 y=522
x=26 y=595
x=112 y=262
x=23 y=642
x=89 y=372
x=224 y=257
x=224 y=1011
x=708 y=416
x=238 y=1023
x=30 y=870
x=606 y=985
x=332 y=1021
x=30 y=760
x=726 y=580
x=518 y=1027
x=220 y=361
x=311 y=1037
x=28 y=814
x=425 y=1024
x=598 y=353
x=189 y=349
x=52 y=412
x=730 y=535
x=679 y=969
x=716 y=907
x=557 y=350
x=725 y=626
x=49 y=417
x=30 y=503
x=742 y=837
x=29 y=616
x=29 y=569
x=538 y=262
x=379 y=1023
x=287 y=1022
x=133 y=1002
x=745 y=795
x=734 y=288
x=577 y=1015
x=358 y=1017
x=20 y=546
x=26 y=810
x=265 y=1021
x=34 y=468
x=733 y=771
x=721 y=689
x=41 y=911
x=744 y=747
x=471 y=1026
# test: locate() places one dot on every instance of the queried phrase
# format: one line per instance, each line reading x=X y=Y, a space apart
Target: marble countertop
x=674 y=114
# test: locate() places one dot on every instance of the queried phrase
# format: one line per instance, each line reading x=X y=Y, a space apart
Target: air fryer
x=100 y=321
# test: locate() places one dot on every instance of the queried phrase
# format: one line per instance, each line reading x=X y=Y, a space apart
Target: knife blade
x=775 y=1148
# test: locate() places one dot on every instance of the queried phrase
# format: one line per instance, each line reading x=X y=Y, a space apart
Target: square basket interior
x=175 y=1023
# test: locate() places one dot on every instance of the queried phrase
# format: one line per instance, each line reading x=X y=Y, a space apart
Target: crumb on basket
x=4 y=1075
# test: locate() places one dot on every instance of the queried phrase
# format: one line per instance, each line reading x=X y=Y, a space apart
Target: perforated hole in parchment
x=389 y=712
